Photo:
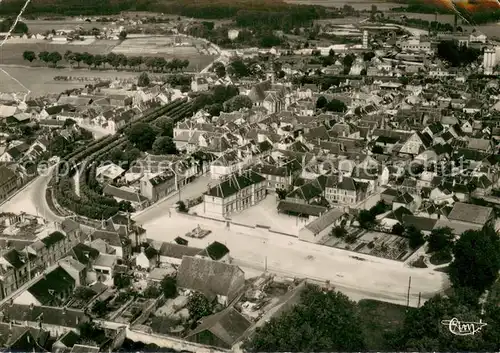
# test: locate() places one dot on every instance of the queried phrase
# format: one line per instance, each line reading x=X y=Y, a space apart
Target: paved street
x=256 y=249
x=160 y=209
x=31 y=200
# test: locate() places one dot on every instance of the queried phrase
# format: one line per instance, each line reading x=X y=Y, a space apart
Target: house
x=172 y=253
x=389 y=195
x=53 y=289
x=108 y=173
x=85 y=255
x=67 y=340
x=318 y=229
x=159 y=186
x=222 y=329
x=9 y=182
x=15 y=270
x=19 y=338
x=199 y=84
x=405 y=200
x=238 y=192
x=469 y=213
x=75 y=269
x=55 y=320
x=473 y=106
x=104 y=265
x=54 y=246
x=278 y=177
x=216 y=280
x=345 y=190
x=416 y=144
x=120 y=100
x=125 y=193
x=14 y=153
x=147 y=259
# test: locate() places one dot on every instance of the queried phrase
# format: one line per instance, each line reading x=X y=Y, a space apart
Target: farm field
x=357 y=4
x=40 y=80
x=12 y=52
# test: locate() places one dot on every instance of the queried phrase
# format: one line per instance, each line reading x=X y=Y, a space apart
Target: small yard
x=388 y=246
x=379 y=319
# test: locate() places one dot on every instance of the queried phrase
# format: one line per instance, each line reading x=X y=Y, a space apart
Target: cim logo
x=459 y=328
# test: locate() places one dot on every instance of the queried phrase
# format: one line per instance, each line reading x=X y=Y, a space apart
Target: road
x=257 y=250
x=31 y=200
x=97 y=131
x=160 y=209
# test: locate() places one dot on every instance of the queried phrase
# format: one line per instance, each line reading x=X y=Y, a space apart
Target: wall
x=170 y=342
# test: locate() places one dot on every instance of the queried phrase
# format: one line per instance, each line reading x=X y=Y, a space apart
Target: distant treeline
x=270 y=13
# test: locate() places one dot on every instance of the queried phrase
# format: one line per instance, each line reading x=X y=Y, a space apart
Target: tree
x=169 y=287
x=281 y=193
x=321 y=322
x=238 y=102
x=321 y=102
x=338 y=232
x=90 y=331
x=44 y=56
x=143 y=80
x=125 y=206
x=181 y=207
x=238 y=69
x=152 y=292
x=366 y=219
x=99 y=308
x=336 y=105
x=199 y=306
x=88 y=59
x=99 y=60
x=123 y=35
x=440 y=239
x=83 y=293
x=398 y=229
x=476 y=259
x=422 y=329
x=377 y=149
x=415 y=237
x=164 y=145
x=29 y=55
x=121 y=280
x=219 y=69
x=54 y=58
x=142 y=136
x=165 y=125
x=368 y=56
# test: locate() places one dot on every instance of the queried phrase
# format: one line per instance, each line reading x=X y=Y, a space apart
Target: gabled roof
x=48 y=315
x=228 y=326
x=54 y=284
x=325 y=220
x=209 y=277
x=235 y=183
x=470 y=213
x=84 y=253
x=177 y=251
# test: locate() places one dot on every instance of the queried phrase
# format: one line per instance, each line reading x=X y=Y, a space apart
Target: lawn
x=379 y=319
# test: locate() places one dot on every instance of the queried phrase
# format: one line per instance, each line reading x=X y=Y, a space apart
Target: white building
x=489 y=61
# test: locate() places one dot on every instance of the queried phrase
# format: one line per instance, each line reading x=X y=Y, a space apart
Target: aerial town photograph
x=249 y=176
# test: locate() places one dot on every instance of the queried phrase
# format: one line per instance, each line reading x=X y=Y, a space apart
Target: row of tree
x=117 y=61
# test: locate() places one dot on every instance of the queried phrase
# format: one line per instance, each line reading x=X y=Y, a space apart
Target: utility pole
x=419 y=298
x=265 y=264
x=408 y=295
